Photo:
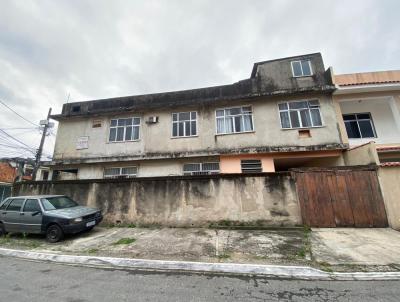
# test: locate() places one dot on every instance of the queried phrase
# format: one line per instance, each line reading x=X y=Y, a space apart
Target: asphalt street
x=22 y=280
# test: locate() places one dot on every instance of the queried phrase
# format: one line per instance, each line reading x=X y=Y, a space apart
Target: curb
x=276 y=271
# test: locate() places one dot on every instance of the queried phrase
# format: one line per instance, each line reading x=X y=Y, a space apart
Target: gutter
x=366 y=88
x=276 y=271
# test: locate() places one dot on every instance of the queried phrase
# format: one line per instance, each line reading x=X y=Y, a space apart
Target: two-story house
x=283 y=116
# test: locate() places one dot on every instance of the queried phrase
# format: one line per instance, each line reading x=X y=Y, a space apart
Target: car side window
x=32 y=205
x=15 y=204
x=5 y=204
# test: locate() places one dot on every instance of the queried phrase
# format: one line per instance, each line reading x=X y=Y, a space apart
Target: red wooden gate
x=340 y=198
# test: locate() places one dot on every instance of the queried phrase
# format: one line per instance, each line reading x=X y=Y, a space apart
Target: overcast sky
x=50 y=49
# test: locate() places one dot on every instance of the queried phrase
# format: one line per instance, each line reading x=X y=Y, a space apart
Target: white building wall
x=386 y=128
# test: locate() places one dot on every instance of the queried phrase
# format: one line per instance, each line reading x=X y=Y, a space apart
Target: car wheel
x=2 y=230
x=54 y=233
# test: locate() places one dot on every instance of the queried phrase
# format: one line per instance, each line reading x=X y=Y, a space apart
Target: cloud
x=97 y=49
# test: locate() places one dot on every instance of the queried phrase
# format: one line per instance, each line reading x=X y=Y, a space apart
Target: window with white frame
x=301 y=68
x=234 y=120
x=300 y=114
x=184 y=124
x=359 y=125
x=124 y=129
x=120 y=172
x=201 y=168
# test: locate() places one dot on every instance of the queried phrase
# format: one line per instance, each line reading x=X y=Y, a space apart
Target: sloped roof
x=368 y=78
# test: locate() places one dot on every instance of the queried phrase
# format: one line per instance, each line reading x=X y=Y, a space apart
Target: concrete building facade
x=283 y=116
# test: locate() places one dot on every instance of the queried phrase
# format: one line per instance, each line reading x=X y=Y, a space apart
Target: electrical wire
x=17 y=140
x=5 y=105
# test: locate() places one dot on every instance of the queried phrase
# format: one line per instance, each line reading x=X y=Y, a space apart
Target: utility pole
x=46 y=124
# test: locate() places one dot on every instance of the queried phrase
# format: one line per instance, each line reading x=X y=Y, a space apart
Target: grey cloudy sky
x=89 y=49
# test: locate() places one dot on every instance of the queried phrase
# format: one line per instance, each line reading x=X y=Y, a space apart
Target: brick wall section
x=7 y=173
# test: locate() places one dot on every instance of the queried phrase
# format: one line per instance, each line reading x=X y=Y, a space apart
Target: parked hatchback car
x=53 y=215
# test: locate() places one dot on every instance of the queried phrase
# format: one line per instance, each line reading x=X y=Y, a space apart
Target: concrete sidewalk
x=337 y=249
x=356 y=246
x=195 y=244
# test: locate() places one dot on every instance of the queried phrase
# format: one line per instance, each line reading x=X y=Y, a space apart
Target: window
x=303 y=114
x=251 y=165
x=5 y=204
x=201 y=168
x=124 y=129
x=121 y=172
x=58 y=202
x=76 y=108
x=359 y=125
x=15 y=205
x=32 y=205
x=234 y=120
x=184 y=124
x=301 y=68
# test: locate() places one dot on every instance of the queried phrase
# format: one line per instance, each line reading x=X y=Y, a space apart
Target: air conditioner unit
x=152 y=120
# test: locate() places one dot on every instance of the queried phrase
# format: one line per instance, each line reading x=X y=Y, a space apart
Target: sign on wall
x=82 y=143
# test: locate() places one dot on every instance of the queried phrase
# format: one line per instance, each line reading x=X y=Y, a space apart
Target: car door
x=11 y=216
x=31 y=216
x=3 y=208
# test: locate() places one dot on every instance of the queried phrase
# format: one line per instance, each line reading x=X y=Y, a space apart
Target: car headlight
x=76 y=220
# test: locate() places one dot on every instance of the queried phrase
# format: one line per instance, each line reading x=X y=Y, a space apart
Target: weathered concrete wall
x=361 y=155
x=267 y=133
x=184 y=201
x=278 y=74
x=389 y=178
x=146 y=168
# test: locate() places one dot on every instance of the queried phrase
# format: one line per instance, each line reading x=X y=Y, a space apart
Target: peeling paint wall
x=268 y=199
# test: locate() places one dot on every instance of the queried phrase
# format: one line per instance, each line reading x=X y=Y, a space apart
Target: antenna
x=69 y=94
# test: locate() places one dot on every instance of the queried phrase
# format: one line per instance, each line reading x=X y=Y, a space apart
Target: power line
x=17 y=140
x=17 y=147
x=5 y=105
x=20 y=128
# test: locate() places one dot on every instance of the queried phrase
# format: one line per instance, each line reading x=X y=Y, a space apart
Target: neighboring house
x=370 y=106
x=282 y=117
x=12 y=170
x=7 y=176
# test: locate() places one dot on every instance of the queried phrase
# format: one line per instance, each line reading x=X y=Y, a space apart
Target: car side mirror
x=36 y=213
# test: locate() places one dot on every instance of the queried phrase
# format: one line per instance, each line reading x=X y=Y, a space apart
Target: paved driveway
x=356 y=246
x=190 y=244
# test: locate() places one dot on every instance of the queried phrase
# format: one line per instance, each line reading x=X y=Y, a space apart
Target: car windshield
x=57 y=202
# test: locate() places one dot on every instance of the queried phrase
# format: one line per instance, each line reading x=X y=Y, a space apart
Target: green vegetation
x=120 y=225
x=306 y=248
x=125 y=241
x=92 y=251
x=19 y=240
x=223 y=256
x=325 y=267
